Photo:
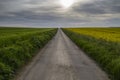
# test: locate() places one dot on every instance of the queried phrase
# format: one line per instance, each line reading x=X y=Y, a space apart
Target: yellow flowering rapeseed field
x=108 y=34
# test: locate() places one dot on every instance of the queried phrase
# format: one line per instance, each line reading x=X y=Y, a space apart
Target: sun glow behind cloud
x=66 y=3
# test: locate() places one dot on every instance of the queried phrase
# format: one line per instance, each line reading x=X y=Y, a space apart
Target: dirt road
x=61 y=59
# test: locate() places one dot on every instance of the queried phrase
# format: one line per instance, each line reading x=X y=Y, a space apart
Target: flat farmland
x=18 y=45
x=59 y=54
x=101 y=44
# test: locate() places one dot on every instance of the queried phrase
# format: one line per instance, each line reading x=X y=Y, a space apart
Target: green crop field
x=101 y=44
x=19 y=45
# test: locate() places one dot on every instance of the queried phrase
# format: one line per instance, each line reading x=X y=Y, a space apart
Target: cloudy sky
x=59 y=13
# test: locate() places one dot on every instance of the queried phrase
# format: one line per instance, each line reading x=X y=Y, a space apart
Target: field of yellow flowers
x=108 y=34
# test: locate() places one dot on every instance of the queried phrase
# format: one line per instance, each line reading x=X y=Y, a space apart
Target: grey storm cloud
x=99 y=7
x=11 y=5
x=89 y=8
x=41 y=12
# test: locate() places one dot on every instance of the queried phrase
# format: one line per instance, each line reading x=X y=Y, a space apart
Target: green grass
x=106 y=54
x=18 y=45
